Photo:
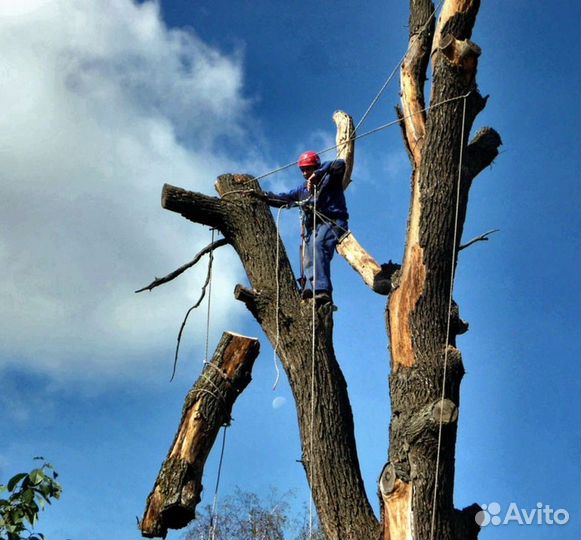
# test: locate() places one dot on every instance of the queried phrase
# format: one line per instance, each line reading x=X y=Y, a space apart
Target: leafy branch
x=26 y=495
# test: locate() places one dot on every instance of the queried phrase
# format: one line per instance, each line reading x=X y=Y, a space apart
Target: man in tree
x=322 y=195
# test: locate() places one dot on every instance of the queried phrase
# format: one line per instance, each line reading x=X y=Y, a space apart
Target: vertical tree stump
x=172 y=502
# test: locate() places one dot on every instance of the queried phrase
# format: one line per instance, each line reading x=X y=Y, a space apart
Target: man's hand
x=312 y=182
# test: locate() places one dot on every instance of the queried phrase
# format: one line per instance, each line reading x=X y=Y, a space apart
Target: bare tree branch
x=481 y=238
x=160 y=281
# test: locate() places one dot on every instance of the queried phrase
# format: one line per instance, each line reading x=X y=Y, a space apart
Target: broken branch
x=160 y=281
x=481 y=238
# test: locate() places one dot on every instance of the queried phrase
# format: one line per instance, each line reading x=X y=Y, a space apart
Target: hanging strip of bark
x=208 y=405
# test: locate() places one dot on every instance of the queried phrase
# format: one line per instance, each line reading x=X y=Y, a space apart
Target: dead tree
x=416 y=499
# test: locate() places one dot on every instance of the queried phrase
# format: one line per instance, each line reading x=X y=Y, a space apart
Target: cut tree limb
x=345 y=141
x=457 y=17
x=208 y=405
x=481 y=152
x=194 y=206
x=376 y=277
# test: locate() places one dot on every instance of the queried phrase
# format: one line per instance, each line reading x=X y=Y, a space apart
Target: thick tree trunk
x=417 y=483
x=208 y=405
x=323 y=409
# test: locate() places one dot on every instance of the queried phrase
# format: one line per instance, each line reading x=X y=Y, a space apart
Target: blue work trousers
x=325 y=240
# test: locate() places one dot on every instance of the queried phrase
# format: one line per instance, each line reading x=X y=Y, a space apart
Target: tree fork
x=208 y=406
x=325 y=417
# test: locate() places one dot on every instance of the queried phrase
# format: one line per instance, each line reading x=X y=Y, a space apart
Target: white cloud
x=102 y=104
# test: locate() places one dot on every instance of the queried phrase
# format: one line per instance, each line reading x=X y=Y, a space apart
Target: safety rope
x=214 y=516
x=277 y=317
x=355 y=138
x=208 y=312
x=452 y=273
x=313 y=351
x=397 y=66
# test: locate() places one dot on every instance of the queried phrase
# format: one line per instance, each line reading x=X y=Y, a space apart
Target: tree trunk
x=426 y=368
x=323 y=409
x=416 y=485
x=172 y=502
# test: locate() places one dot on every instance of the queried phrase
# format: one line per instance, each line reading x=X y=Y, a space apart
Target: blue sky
x=106 y=101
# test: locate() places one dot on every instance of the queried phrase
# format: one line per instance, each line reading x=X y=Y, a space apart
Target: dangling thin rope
x=277 y=298
x=208 y=312
x=207 y=284
x=452 y=272
x=313 y=350
x=214 y=516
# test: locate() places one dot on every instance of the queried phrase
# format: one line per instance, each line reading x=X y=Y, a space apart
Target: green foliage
x=23 y=497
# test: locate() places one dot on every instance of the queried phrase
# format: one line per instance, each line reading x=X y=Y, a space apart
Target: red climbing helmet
x=309 y=159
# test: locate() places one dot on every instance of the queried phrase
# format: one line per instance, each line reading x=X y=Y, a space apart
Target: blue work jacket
x=330 y=197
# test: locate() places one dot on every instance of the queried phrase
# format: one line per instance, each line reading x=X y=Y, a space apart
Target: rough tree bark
x=417 y=499
x=319 y=388
x=208 y=405
x=418 y=307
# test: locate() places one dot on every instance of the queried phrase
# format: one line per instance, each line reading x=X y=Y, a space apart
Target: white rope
x=397 y=66
x=209 y=302
x=367 y=133
x=452 y=272
x=214 y=516
x=277 y=318
x=313 y=348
